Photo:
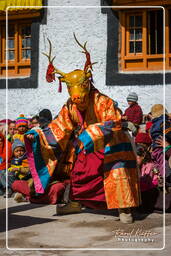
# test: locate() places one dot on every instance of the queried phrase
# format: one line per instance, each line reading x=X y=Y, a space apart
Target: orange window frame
x=19 y=67
x=142 y=61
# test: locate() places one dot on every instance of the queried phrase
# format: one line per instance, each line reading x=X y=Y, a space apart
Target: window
x=142 y=40
x=19 y=49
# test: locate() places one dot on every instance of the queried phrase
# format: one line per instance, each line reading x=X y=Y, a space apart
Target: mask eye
x=84 y=85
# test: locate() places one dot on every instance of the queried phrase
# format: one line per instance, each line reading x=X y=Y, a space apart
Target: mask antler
x=51 y=70
x=88 y=63
x=50 y=52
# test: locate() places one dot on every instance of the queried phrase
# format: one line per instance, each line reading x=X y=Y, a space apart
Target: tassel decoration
x=60 y=86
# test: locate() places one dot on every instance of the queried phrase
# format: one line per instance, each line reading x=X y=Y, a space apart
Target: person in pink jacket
x=149 y=179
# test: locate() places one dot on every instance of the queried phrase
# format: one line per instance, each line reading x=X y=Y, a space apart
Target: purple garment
x=157 y=158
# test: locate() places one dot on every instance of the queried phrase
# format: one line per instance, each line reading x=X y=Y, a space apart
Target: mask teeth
x=60 y=86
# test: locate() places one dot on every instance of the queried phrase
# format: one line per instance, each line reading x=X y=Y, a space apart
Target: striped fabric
x=99 y=129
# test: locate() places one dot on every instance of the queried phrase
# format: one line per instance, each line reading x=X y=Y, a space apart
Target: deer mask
x=78 y=81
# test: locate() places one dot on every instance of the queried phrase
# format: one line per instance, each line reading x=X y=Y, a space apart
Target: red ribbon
x=50 y=77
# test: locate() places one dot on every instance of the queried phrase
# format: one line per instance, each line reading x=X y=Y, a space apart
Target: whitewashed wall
x=90 y=25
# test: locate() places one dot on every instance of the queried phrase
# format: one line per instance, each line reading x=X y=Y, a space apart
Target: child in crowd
x=22 y=127
x=19 y=168
x=34 y=121
x=134 y=112
x=149 y=177
x=143 y=139
x=11 y=131
x=3 y=154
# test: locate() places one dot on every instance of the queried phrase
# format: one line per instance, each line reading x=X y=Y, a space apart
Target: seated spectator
x=34 y=121
x=19 y=168
x=45 y=118
x=22 y=127
x=156 y=131
x=134 y=112
x=3 y=152
x=149 y=177
x=148 y=127
x=11 y=130
x=166 y=145
x=143 y=139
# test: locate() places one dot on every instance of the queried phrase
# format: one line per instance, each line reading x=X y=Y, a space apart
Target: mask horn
x=88 y=63
x=55 y=70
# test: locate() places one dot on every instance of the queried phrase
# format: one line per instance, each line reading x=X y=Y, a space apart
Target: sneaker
x=19 y=198
x=125 y=215
x=71 y=207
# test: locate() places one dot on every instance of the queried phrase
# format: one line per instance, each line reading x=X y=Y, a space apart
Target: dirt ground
x=34 y=229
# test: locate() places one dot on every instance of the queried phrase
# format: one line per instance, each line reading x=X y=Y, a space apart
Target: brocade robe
x=98 y=128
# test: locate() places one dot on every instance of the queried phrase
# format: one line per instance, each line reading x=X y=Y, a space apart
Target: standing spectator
x=22 y=127
x=134 y=112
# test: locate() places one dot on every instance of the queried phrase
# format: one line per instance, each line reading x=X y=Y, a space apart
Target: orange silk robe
x=98 y=128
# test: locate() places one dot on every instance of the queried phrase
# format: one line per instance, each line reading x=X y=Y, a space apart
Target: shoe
x=71 y=207
x=125 y=215
x=19 y=198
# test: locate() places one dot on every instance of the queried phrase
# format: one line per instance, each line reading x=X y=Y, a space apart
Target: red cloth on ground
x=134 y=114
x=53 y=194
x=87 y=180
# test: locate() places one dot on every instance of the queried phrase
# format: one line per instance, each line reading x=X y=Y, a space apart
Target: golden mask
x=78 y=81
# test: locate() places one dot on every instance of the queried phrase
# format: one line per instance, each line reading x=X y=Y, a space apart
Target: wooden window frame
x=141 y=61
x=21 y=67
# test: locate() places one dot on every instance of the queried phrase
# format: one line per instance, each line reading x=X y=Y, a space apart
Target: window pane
x=11 y=55
x=131 y=47
x=26 y=54
x=138 y=46
x=138 y=34
x=132 y=37
x=23 y=43
x=28 y=42
x=131 y=21
x=138 y=21
x=11 y=43
x=155 y=25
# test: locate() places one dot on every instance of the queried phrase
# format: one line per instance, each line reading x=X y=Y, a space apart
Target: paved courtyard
x=36 y=230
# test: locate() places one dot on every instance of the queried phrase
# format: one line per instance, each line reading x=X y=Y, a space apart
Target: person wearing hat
x=22 y=127
x=19 y=168
x=134 y=112
x=159 y=113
